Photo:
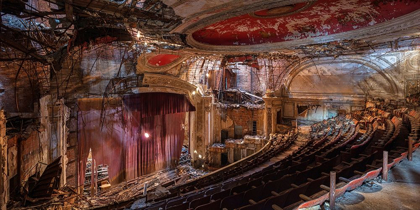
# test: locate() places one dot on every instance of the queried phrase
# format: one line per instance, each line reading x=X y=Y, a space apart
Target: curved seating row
x=300 y=179
x=369 y=166
x=235 y=194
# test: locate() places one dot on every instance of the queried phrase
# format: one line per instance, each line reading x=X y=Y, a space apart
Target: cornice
x=163 y=82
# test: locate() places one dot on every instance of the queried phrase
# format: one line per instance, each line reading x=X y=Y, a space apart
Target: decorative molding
x=412 y=85
x=172 y=68
x=163 y=83
x=412 y=61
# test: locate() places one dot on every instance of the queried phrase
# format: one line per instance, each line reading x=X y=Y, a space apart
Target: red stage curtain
x=107 y=143
x=152 y=104
x=161 y=115
x=120 y=142
x=161 y=150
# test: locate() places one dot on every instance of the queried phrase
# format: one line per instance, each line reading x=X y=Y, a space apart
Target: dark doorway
x=279 y=117
x=224 y=159
x=224 y=136
x=254 y=128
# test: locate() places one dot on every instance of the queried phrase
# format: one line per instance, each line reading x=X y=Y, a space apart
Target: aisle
x=402 y=191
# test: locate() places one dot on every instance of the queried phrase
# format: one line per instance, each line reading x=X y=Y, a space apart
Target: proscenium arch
x=169 y=84
x=293 y=72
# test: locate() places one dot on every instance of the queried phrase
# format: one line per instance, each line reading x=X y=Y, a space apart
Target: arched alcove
x=339 y=77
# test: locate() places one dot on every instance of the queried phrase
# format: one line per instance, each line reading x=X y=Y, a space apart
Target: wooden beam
x=69 y=10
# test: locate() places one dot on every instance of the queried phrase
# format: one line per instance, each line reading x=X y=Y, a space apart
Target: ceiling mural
x=164 y=62
x=162 y=59
x=301 y=21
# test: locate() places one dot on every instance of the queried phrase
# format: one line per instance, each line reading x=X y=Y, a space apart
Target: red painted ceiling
x=324 y=17
x=162 y=59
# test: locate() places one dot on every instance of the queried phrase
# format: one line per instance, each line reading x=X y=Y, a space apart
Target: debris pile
x=187 y=169
x=235 y=98
x=218 y=145
x=185 y=156
x=234 y=141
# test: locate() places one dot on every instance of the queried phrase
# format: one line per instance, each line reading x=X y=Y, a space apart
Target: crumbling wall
x=45 y=128
x=244 y=117
x=221 y=122
x=21 y=90
x=200 y=67
x=241 y=117
x=4 y=184
x=12 y=156
x=30 y=154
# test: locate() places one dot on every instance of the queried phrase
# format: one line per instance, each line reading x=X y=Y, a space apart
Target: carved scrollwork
x=165 y=81
x=412 y=86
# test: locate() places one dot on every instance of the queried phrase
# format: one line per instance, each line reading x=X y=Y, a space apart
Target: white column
x=63 y=116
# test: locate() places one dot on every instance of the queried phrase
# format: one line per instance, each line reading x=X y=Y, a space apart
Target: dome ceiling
x=162 y=59
x=301 y=21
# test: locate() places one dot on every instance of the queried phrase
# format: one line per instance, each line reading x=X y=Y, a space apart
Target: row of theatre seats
x=301 y=179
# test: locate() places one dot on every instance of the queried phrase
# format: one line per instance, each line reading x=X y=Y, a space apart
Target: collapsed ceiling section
x=49 y=26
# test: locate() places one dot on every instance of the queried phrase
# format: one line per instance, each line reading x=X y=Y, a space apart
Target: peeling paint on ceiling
x=324 y=17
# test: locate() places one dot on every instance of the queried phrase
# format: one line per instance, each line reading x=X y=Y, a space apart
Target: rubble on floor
x=185 y=156
x=157 y=184
x=190 y=171
x=246 y=105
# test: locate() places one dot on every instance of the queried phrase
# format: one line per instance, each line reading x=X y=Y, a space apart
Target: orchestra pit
x=209 y=104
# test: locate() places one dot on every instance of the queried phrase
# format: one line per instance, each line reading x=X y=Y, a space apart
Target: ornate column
x=204 y=128
x=4 y=182
x=198 y=144
x=269 y=116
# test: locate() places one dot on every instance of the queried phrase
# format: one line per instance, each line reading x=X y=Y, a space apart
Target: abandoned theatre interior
x=209 y=104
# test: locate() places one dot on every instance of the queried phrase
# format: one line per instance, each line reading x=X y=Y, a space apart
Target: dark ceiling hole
x=280 y=10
